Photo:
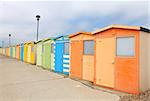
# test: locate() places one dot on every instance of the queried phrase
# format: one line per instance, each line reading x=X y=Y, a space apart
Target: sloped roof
x=78 y=33
x=122 y=27
x=48 y=39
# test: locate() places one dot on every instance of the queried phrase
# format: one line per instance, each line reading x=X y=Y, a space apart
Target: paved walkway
x=20 y=81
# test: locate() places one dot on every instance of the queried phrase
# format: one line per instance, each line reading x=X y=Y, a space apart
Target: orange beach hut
x=7 y=51
x=82 y=56
x=18 y=51
x=122 y=58
x=8 y=54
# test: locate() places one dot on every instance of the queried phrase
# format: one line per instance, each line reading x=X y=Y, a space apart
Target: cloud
x=64 y=17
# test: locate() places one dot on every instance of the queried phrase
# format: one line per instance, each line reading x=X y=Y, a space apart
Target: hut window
x=125 y=46
x=66 y=48
x=52 y=48
x=88 y=47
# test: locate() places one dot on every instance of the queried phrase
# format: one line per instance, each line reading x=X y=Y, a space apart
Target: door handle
x=113 y=62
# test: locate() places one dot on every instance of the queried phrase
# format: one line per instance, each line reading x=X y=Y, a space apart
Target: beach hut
x=18 y=51
x=25 y=51
x=4 y=51
x=22 y=51
x=13 y=51
x=39 y=51
x=62 y=56
x=8 y=51
x=122 y=58
x=82 y=56
x=47 y=60
x=28 y=53
x=31 y=53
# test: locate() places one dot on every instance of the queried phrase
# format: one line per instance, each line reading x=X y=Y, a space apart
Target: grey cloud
x=19 y=19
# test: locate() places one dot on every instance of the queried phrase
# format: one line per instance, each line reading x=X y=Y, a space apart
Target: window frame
x=127 y=56
x=93 y=47
x=68 y=50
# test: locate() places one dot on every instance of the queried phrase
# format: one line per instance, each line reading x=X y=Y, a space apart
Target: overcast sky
x=64 y=17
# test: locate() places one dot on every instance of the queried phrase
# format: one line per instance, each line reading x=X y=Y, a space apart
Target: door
x=59 y=57
x=29 y=53
x=47 y=55
x=88 y=68
x=76 y=59
x=88 y=60
x=39 y=54
x=105 y=58
x=22 y=52
x=32 y=54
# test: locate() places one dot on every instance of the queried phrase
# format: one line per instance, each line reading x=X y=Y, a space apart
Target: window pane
x=52 y=48
x=89 y=47
x=66 y=48
x=125 y=46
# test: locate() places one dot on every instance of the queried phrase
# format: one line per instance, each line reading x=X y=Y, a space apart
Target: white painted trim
x=66 y=61
x=66 y=56
x=65 y=70
x=66 y=65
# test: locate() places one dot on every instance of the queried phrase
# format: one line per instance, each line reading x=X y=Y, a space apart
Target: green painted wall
x=13 y=52
x=39 y=54
x=47 y=54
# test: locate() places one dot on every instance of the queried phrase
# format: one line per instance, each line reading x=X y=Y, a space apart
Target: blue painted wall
x=22 y=52
x=11 y=51
x=59 y=55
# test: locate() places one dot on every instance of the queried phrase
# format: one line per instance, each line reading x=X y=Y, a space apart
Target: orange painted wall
x=7 y=51
x=126 y=68
x=82 y=66
x=18 y=51
x=76 y=59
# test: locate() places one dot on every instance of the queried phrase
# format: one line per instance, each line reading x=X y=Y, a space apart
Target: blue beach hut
x=61 y=55
x=11 y=51
x=22 y=52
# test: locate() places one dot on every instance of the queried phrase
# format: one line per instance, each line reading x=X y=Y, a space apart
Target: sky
x=67 y=17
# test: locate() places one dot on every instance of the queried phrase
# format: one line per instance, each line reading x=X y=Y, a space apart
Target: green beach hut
x=47 y=58
x=39 y=51
x=13 y=51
